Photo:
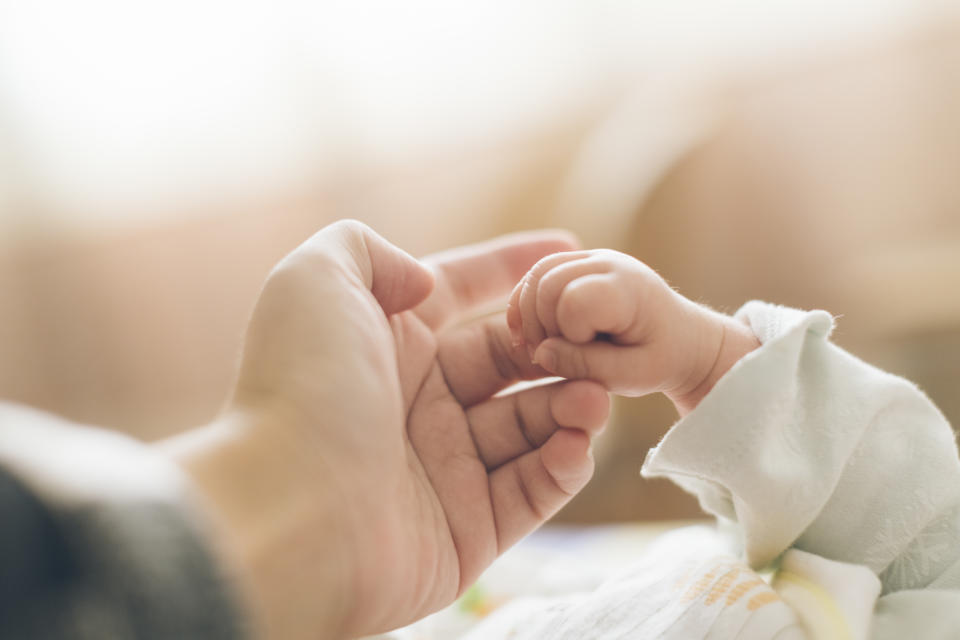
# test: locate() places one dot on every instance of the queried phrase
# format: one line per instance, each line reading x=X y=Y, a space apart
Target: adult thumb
x=395 y=278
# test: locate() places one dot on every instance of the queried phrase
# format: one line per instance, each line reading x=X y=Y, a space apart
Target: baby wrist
x=722 y=342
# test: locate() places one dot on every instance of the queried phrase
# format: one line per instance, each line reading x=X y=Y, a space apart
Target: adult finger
x=440 y=437
x=506 y=427
x=470 y=276
x=478 y=359
x=526 y=491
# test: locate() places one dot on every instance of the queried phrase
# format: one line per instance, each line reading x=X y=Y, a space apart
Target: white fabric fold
x=806 y=446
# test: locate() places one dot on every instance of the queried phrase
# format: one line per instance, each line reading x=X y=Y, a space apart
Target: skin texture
x=364 y=473
x=605 y=316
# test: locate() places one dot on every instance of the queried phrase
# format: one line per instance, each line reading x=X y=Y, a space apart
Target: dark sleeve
x=87 y=551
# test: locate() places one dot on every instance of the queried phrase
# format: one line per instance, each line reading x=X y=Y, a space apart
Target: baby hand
x=605 y=316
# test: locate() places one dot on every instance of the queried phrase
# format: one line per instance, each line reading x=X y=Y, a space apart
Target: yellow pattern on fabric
x=823 y=598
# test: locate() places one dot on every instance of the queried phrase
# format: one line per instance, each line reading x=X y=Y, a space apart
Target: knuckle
x=540 y=268
x=610 y=258
x=608 y=254
x=349 y=226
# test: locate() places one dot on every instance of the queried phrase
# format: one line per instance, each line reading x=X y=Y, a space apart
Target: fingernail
x=517 y=337
x=546 y=359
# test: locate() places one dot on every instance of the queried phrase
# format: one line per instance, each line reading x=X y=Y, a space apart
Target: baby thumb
x=603 y=362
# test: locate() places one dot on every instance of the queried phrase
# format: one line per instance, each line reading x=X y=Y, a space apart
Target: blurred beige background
x=156 y=161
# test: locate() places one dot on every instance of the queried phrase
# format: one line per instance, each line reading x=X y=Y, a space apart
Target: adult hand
x=366 y=472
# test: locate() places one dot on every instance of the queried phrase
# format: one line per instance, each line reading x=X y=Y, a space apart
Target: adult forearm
x=266 y=507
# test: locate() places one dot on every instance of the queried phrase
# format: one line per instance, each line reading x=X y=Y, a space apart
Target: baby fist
x=605 y=316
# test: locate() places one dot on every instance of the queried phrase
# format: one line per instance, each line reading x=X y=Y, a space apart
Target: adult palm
x=383 y=385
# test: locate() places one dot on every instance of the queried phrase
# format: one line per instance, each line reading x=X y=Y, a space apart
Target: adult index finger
x=470 y=276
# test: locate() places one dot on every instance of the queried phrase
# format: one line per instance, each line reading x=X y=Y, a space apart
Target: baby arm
x=605 y=316
x=806 y=448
